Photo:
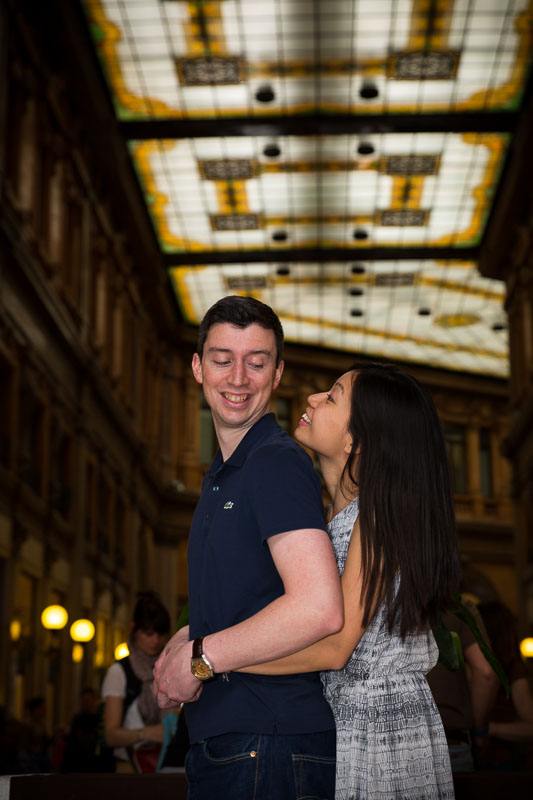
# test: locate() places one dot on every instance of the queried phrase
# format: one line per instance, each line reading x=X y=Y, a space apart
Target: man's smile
x=235 y=398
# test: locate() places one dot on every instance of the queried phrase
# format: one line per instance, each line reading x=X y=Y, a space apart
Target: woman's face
x=150 y=642
x=324 y=424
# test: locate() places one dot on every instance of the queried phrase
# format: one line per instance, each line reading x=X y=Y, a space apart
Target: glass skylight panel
x=416 y=189
x=209 y=59
x=457 y=333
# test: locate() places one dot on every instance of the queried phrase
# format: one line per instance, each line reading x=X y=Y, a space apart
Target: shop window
x=102 y=642
x=31 y=440
x=283 y=413
x=24 y=611
x=72 y=243
x=90 y=500
x=6 y=411
x=61 y=472
x=455 y=437
x=104 y=501
x=121 y=532
x=485 y=462
x=208 y=437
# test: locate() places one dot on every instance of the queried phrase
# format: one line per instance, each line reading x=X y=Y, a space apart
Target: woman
x=391 y=521
x=132 y=716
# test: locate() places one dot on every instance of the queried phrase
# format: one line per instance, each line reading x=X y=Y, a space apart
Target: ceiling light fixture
x=272 y=151
x=366 y=149
x=265 y=94
x=368 y=91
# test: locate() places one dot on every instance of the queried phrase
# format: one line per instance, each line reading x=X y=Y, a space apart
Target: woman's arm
x=520 y=729
x=117 y=736
x=333 y=651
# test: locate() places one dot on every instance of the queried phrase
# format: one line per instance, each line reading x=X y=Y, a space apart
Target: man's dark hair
x=241 y=312
x=150 y=614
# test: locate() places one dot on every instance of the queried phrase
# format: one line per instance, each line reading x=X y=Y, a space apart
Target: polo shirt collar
x=262 y=428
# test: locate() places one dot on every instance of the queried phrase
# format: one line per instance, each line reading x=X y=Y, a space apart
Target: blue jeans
x=461 y=757
x=251 y=766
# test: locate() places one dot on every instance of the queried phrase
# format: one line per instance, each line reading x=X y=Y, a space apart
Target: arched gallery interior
x=364 y=167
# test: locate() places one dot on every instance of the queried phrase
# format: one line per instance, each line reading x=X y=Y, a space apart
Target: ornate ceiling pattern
x=338 y=159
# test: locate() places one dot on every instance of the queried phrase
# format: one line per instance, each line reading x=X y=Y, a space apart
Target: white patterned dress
x=390 y=739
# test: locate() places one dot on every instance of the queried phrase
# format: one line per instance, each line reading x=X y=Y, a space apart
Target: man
x=263 y=582
x=465 y=701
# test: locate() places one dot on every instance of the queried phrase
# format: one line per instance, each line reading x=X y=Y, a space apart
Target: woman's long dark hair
x=406 y=507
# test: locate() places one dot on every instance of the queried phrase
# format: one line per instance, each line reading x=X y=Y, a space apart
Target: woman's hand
x=153 y=733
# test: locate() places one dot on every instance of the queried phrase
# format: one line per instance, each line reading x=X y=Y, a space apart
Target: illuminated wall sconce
x=121 y=651
x=15 y=629
x=82 y=630
x=54 y=618
x=77 y=653
x=526 y=647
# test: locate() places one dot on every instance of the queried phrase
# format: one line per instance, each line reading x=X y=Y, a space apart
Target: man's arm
x=310 y=608
x=484 y=684
x=333 y=651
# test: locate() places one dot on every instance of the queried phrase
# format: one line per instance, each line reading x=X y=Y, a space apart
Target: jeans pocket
x=314 y=777
x=231 y=747
x=224 y=767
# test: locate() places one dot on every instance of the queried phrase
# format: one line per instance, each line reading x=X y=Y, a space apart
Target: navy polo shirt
x=267 y=486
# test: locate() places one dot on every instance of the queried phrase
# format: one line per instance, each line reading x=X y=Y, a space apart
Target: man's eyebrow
x=228 y=350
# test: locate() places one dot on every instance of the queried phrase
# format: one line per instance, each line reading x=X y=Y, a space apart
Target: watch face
x=201 y=670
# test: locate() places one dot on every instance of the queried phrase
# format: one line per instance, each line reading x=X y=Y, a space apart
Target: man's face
x=238 y=374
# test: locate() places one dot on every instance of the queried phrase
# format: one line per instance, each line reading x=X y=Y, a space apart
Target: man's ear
x=197 y=368
x=278 y=373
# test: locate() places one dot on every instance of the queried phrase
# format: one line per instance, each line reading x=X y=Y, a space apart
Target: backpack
x=103 y=752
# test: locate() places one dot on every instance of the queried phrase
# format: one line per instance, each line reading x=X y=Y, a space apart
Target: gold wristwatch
x=200 y=666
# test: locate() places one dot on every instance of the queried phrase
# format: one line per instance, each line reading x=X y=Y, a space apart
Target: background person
x=465 y=696
x=511 y=720
x=132 y=717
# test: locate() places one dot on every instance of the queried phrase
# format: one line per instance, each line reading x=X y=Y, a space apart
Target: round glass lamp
x=77 y=653
x=54 y=618
x=82 y=630
x=526 y=647
x=121 y=651
x=15 y=629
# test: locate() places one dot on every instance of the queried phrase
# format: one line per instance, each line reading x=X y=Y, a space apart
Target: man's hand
x=174 y=682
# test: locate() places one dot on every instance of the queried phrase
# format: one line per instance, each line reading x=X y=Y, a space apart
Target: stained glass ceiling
x=338 y=159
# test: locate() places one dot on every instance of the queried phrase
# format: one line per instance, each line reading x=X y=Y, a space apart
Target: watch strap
x=197 y=648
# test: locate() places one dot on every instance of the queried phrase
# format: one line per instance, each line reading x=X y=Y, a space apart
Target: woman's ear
x=348 y=448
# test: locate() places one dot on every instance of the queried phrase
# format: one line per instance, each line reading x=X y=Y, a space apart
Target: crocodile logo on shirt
x=229 y=504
